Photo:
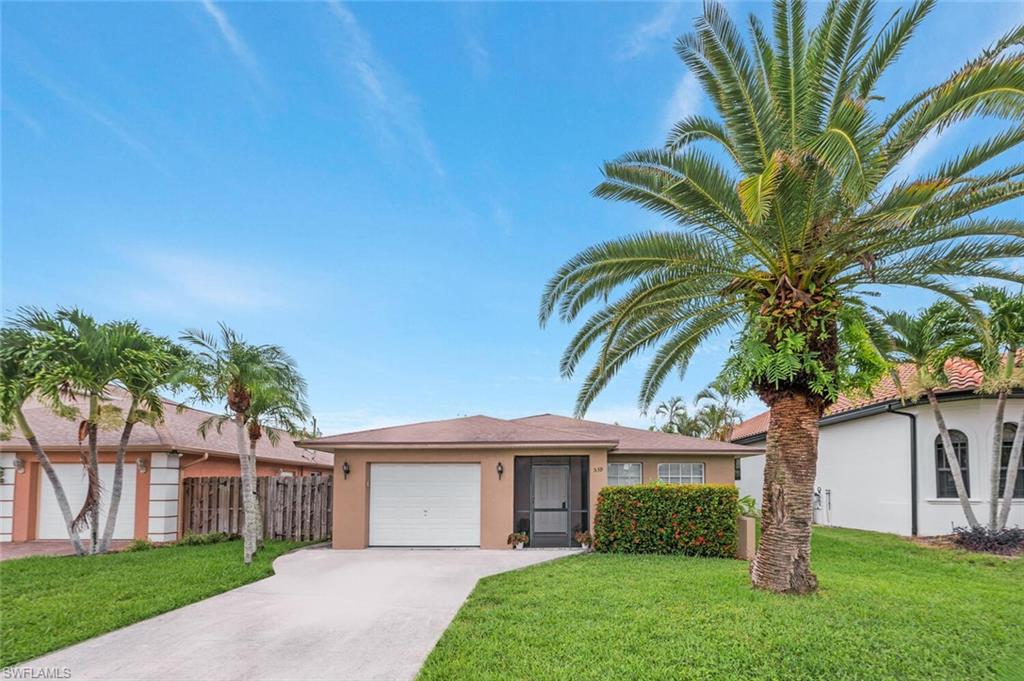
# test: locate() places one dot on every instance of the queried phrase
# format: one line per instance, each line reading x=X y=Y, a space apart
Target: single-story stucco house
x=472 y=481
x=881 y=465
x=157 y=459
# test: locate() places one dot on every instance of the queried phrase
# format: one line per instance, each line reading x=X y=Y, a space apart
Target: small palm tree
x=926 y=341
x=82 y=361
x=80 y=357
x=670 y=410
x=22 y=369
x=262 y=391
x=780 y=234
x=147 y=364
x=717 y=409
x=1003 y=373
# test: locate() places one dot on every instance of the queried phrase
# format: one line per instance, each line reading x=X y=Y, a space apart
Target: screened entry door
x=551 y=501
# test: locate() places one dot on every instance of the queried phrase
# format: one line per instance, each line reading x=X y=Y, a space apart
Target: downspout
x=913 y=467
x=204 y=457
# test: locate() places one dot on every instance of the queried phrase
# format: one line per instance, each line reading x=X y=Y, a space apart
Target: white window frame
x=681 y=472
x=625 y=463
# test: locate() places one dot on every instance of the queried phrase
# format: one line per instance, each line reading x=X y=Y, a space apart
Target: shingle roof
x=469 y=430
x=963 y=374
x=179 y=431
x=636 y=440
x=543 y=430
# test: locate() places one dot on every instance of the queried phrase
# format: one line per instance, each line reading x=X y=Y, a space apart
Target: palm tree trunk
x=58 y=489
x=115 y=489
x=951 y=459
x=249 y=505
x=997 y=451
x=1011 y=473
x=258 y=516
x=783 y=560
x=94 y=474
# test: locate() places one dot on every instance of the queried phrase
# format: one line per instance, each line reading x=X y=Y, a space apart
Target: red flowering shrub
x=694 y=520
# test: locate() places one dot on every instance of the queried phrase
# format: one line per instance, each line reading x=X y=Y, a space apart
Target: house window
x=1009 y=431
x=681 y=472
x=945 y=487
x=737 y=469
x=625 y=473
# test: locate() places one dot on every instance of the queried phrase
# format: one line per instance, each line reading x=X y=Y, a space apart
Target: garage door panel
x=75 y=483
x=425 y=505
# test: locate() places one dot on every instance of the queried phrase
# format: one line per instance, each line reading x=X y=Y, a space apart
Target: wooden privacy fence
x=296 y=508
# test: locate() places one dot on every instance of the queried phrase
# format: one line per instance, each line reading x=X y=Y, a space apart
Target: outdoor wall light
x=501 y=469
x=345 y=469
x=141 y=463
x=19 y=464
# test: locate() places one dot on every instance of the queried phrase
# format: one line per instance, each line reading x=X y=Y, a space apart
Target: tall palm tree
x=261 y=388
x=1003 y=373
x=781 y=230
x=23 y=367
x=926 y=341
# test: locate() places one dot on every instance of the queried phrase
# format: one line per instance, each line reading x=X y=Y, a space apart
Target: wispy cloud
x=100 y=116
x=651 y=33
x=469 y=21
x=389 y=106
x=686 y=101
x=912 y=164
x=234 y=40
x=182 y=284
x=622 y=414
x=26 y=118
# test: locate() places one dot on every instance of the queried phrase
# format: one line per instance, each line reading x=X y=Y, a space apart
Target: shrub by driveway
x=49 y=602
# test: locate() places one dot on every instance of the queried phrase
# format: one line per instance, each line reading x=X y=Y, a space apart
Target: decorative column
x=163 y=497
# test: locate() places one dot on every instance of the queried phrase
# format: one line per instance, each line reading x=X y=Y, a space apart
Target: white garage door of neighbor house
x=430 y=504
x=75 y=482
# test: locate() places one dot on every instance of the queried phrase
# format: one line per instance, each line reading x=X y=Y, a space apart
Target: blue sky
x=383 y=189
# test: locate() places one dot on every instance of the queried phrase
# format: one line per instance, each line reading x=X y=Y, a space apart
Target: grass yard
x=50 y=602
x=887 y=609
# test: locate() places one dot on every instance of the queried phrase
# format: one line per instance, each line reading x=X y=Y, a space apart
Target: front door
x=550 y=505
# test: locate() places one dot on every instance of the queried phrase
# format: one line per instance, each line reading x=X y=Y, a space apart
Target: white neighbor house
x=881 y=467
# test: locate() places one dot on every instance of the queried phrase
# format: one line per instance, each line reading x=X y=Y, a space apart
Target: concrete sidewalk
x=325 y=614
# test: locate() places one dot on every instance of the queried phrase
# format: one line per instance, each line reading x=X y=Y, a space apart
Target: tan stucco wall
x=718 y=469
x=27 y=492
x=352 y=497
x=226 y=467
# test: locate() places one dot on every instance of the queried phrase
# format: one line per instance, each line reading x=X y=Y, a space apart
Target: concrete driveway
x=325 y=614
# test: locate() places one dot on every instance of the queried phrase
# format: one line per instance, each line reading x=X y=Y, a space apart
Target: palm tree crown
x=797 y=206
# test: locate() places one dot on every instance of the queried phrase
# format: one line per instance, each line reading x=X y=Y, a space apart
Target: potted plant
x=518 y=540
x=585 y=539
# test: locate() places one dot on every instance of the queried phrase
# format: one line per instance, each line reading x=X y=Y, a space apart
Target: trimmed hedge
x=693 y=520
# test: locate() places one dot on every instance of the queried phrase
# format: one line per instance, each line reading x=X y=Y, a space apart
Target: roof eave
x=747 y=451
x=330 y=447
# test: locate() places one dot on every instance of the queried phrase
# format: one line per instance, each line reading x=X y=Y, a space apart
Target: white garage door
x=75 y=482
x=431 y=504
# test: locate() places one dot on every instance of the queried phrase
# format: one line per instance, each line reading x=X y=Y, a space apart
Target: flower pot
x=519 y=545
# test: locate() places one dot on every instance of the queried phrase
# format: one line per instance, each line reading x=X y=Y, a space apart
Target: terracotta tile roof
x=963 y=374
x=543 y=430
x=637 y=440
x=179 y=431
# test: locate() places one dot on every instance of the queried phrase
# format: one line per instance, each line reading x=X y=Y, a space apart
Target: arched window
x=945 y=487
x=1009 y=431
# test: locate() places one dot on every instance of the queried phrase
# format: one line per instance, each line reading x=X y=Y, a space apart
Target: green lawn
x=50 y=602
x=887 y=609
